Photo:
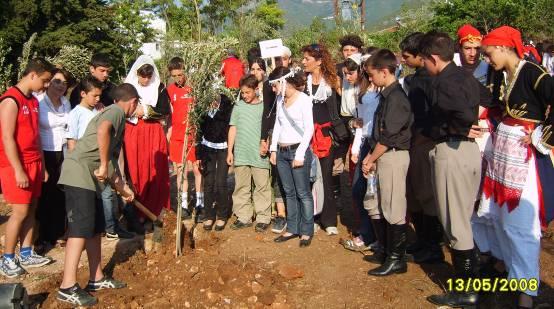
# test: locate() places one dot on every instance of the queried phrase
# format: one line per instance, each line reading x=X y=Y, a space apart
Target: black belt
x=454 y=138
x=288 y=148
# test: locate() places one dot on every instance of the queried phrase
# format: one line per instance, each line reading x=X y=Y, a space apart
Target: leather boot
x=464 y=267
x=432 y=252
x=380 y=229
x=395 y=262
x=417 y=221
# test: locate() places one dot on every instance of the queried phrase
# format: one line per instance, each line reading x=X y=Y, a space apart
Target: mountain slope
x=301 y=12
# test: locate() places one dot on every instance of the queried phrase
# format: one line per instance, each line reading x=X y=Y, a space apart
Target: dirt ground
x=245 y=269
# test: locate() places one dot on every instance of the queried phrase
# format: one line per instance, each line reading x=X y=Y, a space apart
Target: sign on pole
x=271 y=48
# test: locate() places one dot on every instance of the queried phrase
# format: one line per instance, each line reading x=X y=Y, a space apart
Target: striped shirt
x=248 y=120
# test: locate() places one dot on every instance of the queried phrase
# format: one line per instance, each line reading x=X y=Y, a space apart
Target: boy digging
x=22 y=165
x=84 y=173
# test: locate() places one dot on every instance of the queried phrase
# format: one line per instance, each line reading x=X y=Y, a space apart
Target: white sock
x=199 y=199
x=184 y=200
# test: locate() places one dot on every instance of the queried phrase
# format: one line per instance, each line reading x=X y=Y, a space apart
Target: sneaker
x=105 y=283
x=34 y=260
x=331 y=230
x=11 y=268
x=237 y=225
x=261 y=227
x=279 y=225
x=119 y=234
x=76 y=296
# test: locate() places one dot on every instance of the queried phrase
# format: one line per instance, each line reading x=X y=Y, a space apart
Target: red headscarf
x=505 y=36
x=468 y=33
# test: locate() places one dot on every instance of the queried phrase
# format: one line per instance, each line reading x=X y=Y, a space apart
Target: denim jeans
x=363 y=226
x=109 y=214
x=298 y=195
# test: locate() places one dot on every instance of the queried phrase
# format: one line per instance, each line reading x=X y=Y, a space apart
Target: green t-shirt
x=79 y=165
x=248 y=120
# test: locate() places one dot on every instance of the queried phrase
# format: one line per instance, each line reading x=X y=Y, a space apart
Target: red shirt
x=233 y=71
x=181 y=101
x=26 y=133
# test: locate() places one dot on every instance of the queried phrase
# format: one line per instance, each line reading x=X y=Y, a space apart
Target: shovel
x=158 y=225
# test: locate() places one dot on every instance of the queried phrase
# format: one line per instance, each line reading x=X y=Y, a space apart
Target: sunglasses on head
x=316 y=47
x=58 y=81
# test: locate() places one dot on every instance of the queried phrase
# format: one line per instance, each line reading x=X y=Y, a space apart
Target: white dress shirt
x=53 y=123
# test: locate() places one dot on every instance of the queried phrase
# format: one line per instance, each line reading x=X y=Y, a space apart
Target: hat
x=505 y=36
x=286 y=52
x=468 y=33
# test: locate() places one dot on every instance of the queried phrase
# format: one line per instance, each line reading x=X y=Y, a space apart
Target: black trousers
x=215 y=171
x=328 y=216
x=51 y=209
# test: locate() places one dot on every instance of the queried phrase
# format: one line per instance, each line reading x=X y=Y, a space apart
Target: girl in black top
x=322 y=85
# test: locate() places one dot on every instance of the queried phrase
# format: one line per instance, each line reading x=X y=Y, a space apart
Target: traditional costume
x=145 y=143
x=515 y=192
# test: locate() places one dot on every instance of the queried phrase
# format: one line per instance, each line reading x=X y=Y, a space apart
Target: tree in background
x=96 y=25
x=532 y=17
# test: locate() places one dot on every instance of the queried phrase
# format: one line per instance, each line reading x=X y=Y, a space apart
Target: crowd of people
x=452 y=136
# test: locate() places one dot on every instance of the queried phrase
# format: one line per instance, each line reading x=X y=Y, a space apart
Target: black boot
x=432 y=252
x=380 y=229
x=417 y=221
x=395 y=262
x=464 y=268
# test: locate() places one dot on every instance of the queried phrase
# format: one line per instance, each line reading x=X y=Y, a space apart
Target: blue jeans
x=298 y=195
x=363 y=226
x=108 y=204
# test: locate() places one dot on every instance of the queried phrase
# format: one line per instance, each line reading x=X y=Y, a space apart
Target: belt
x=454 y=138
x=288 y=148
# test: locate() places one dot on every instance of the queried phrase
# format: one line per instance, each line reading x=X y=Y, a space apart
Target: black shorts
x=85 y=214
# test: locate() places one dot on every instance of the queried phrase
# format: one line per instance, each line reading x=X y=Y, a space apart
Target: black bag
x=13 y=295
x=338 y=131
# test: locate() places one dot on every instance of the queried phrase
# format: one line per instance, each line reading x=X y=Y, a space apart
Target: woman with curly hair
x=322 y=84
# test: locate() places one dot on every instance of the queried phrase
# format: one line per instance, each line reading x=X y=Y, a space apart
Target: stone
x=256 y=287
x=252 y=299
x=187 y=304
x=213 y=297
x=280 y=306
x=290 y=272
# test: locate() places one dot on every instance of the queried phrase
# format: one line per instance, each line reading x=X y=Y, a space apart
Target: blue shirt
x=79 y=119
x=366 y=111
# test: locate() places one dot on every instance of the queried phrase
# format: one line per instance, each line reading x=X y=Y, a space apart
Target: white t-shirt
x=79 y=119
x=284 y=133
x=53 y=123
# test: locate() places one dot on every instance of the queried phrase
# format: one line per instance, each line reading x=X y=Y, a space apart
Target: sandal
x=350 y=244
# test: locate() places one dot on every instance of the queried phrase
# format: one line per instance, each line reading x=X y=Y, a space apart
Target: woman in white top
x=54 y=111
x=290 y=151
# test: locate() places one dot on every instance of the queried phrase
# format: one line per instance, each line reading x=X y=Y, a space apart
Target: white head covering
x=149 y=94
x=356 y=58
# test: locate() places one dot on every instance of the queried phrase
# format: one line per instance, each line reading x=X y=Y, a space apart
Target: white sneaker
x=34 y=260
x=332 y=230
x=11 y=268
